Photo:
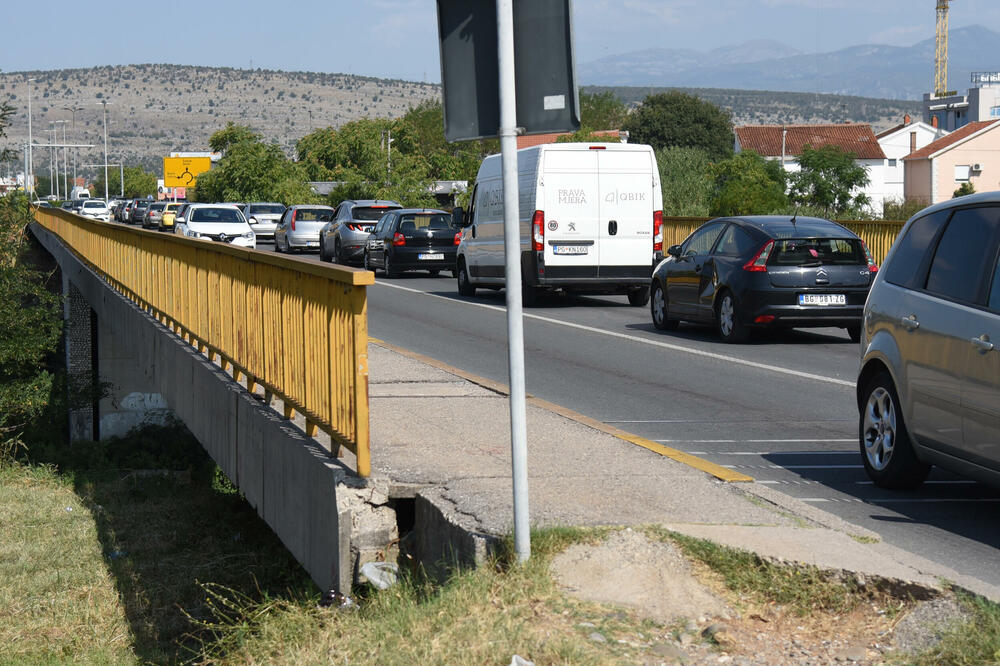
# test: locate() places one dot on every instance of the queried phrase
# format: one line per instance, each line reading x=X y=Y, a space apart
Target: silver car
x=929 y=385
x=263 y=218
x=343 y=239
x=299 y=228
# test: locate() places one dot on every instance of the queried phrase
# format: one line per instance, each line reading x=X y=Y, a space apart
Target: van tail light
x=538 y=231
x=458 y=238
x=872 y=266
x=294 y=213
x=398 y=239
x=657 y=231
x=759 y=262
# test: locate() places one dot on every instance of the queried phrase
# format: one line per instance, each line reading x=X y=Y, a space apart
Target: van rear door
x=570 y=179
x=626 y=213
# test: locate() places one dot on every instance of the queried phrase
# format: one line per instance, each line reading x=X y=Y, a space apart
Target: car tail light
x=538 y=231
x=398 y=239
x=657 y=231
x=458 y=238
x=872 y=266
x=759 y=262
x=294 y=213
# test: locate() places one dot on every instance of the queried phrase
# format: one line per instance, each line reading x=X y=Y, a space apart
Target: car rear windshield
x=313 y=215
x=370 y=213
x=815 y=251
x=158 y=206
x=224 y=215
x=424 y=221
x=267 y=209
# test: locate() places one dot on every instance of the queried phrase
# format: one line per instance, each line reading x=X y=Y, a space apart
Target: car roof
x=372 y=202
x=788 y=226
x=978 y=198
x=318 y=206
x=420 y=210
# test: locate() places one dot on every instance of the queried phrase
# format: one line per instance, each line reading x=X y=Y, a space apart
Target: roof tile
x=950 y=139
x=855 y=138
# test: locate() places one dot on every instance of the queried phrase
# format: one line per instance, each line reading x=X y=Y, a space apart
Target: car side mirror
x=674 y=251
x=459 y=218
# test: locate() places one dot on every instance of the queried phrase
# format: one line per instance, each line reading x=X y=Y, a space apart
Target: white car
x=216 y=222
x=95 y=208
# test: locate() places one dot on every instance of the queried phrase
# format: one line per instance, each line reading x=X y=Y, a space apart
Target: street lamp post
x=30 y=189
x=73 y=109
x=104 y=103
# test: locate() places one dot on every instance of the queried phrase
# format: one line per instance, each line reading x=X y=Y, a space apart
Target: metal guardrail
x=878 y=235
x=297 y=329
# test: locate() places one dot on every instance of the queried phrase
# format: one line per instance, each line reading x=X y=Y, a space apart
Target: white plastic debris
x=518 y=660
x=382 y=575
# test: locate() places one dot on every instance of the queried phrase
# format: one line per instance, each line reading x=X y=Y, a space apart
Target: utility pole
x=73 y=109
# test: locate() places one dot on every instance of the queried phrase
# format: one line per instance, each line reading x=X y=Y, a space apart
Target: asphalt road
x=780 y=408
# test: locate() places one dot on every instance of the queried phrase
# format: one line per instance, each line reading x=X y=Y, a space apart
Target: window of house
x=892 y=162
x=962 y=172
x=995 y=112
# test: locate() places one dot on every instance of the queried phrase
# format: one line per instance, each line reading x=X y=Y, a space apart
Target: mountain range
x=867 y=70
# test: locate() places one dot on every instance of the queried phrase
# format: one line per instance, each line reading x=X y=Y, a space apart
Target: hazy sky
x=398 y=38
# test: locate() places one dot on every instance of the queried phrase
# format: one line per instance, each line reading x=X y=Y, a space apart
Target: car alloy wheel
x=465 y=288
x=658 y=308
x=387 y=267
x=727 y=321
x=886 y=451
x=879 y=429
x=366 y=262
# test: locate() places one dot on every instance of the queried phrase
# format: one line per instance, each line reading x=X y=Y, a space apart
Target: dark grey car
x=343 y=239
x=928 y=389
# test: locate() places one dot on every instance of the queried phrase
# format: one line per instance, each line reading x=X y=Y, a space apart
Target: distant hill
x=866 y=70
x=157 y=109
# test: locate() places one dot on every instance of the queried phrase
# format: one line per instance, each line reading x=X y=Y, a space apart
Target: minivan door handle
x=910 y=322
x=612 y=227
x=983 y=344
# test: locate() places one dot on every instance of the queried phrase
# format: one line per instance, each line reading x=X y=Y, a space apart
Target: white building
x=979 y=104
x=897 y=143
x=786 y=142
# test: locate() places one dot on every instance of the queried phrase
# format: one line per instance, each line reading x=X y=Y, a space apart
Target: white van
x=591 y=219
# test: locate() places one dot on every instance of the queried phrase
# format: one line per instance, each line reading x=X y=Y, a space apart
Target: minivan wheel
x=854 y=332
x=888 y=455
x=465 y=288
x=658 y=308
x=637 y=298
x=390 y=272
x=338 y=254
x=728 y=323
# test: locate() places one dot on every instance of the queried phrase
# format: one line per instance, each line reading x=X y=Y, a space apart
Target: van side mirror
x=459 y=218
x=674 y=250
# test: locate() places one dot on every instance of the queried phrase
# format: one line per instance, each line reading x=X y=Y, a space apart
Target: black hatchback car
x=412 y=239
x=764 y=272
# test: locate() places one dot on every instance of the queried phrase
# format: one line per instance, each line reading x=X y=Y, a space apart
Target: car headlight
x=192 y=234
x=248 y=235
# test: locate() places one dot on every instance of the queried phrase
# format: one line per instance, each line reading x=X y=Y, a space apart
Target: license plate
x=431 y=256
x=312 y=244
x=569 y=249
x=822 y=299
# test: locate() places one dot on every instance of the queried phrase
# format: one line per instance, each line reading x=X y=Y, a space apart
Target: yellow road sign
x=183 y=171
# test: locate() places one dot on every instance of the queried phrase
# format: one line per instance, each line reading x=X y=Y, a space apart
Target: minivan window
x=908 y=255
x=964 y=254
x=994 y=303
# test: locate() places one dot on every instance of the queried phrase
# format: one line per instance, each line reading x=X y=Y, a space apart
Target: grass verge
x=974 y=642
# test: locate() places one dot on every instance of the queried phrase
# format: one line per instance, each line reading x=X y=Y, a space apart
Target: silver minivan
x=928 y=389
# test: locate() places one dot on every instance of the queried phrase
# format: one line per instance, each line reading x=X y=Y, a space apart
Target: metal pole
x=31 y=165
x=512 y=255
x=104 y=103
x=25 y=183
x=121 y=174
x=65 y=164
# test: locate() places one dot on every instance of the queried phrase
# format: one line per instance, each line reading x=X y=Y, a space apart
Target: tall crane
x=941 y=50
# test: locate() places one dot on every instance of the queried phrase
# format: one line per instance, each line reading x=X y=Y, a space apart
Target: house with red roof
x=786 y=142
x=898 y=142
x=970 y=154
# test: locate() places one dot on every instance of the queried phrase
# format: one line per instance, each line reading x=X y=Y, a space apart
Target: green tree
x=747 y=184
x=30 y=325
x=230 y=135
x=254 y=171
x=685 y=180
x=138 y=182
x=827 y=181
x=674 y=118
x=602 y=111
x=965 y=188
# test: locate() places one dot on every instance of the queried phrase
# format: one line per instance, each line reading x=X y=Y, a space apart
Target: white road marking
x=646 y=341
x=901 y=500
x=941 y=482
x=751 y=441
x=771 y=453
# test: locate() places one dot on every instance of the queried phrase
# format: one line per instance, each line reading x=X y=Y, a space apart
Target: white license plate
x=569 y=249
x=312 y=243
x=822 y=299
x=431 y=256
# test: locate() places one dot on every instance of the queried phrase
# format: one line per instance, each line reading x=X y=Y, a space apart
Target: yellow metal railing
x=297 y=329
x=878 y=235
